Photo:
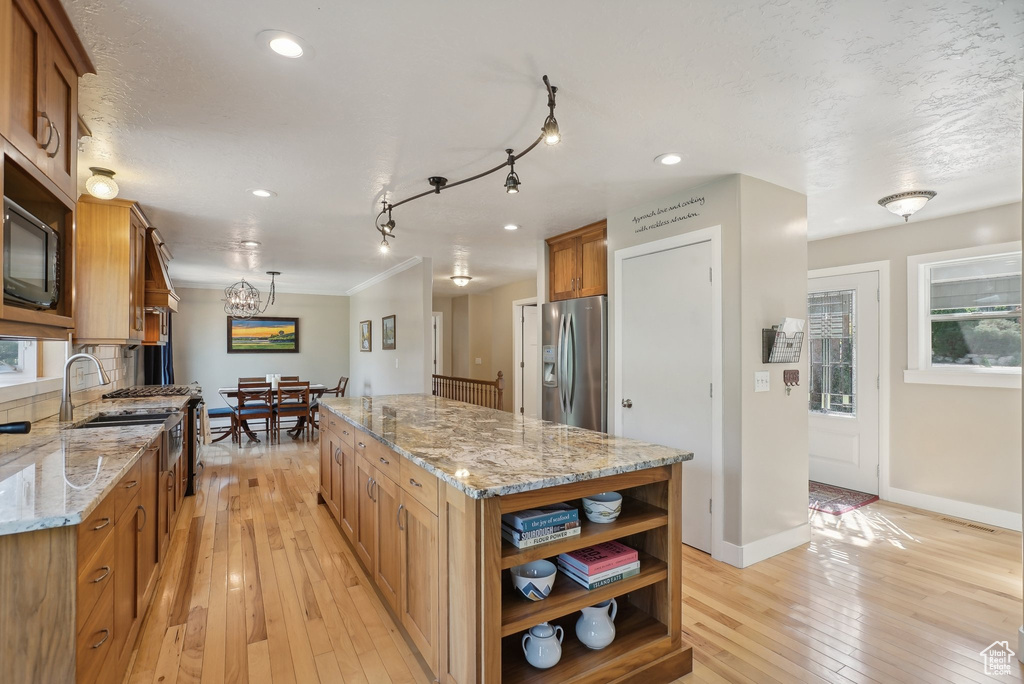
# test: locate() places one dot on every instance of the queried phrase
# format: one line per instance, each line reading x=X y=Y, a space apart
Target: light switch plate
x=762 y=381
x=479 y=361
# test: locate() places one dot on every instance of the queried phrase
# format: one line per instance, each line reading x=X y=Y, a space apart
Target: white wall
x=764 y=260
x=960 y=444
x=407 y=368
x=200 y=341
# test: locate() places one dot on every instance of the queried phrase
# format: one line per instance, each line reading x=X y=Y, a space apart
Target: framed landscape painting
x=387 y=335
x=263 y=335
x=365 y=336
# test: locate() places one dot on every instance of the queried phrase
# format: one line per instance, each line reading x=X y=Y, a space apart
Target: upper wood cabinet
x=41 y=59
x=110 y=244
x=578 y=262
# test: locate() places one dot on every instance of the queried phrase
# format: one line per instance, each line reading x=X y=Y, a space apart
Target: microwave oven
x=31 y=259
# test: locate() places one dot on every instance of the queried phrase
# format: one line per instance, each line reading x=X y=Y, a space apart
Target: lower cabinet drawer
x=345 y=432
x=95 y=529
x=127 y=488
x=94 y=578
x=382 y=458
x=420 y=484
x=94 y=661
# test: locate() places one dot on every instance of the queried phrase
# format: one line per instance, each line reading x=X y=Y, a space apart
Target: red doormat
x=835 y=500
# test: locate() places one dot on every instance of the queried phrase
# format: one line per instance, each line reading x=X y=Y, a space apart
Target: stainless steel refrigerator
x=574 y=354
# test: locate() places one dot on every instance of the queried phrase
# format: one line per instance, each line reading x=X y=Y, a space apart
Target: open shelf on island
x=518 y=613
x=636 y=516
x=634 y=630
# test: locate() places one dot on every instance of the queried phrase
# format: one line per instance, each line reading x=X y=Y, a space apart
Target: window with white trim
x=964 y=317
x=18 y=362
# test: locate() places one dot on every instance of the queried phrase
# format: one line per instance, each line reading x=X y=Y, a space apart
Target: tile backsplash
x=120 y=364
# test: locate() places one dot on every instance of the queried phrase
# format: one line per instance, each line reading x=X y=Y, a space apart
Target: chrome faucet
x=67 y=409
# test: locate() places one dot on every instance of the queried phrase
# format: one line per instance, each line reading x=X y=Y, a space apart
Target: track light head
x=512 y=179
x=385 y=247
x=550 y=131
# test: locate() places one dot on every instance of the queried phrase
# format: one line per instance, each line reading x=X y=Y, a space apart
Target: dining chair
x=255 y=402
x=293 y=402
x=289 y=378
x=339 y=389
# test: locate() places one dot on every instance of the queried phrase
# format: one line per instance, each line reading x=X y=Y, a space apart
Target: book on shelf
x=594 y=584
x=635 y=565
x=521 y=543
x=539 y=518
x=593 y=560
x=542 y=532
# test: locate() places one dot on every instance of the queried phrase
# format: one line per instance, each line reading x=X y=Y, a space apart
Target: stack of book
x=524 y=529
x=601 y=564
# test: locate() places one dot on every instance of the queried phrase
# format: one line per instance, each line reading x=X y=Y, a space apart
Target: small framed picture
x=387 y=334
x=365 y=336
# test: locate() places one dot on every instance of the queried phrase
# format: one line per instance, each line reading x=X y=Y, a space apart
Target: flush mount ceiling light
x=906 y=203
x=250 y=244
x=511 y=226
x=461 y=280
x=101 y=183
x=284 y=44
x=262 y=193
x=668 y=159
x=549 y=134
x=242 y=300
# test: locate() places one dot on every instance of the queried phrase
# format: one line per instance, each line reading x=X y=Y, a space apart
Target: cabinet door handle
x=49 y=124
x=336 y=453
x=368 y=481
x=145 y=517
x=414 y=483
x=53 y=154
x=373 y=489
x=106 y=521
x=385 y=461
x=106 y=635
x=399 y=517
x=361 y=445
x=131 y=484
x=102 y=577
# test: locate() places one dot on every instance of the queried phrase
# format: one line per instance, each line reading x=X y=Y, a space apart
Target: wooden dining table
x=316 y=390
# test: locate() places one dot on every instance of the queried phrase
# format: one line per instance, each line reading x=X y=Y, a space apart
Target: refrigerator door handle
x=559 y=375
x=570 y=370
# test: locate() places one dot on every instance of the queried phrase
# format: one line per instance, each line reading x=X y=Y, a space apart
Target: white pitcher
x=596 y=627
x=542 y=645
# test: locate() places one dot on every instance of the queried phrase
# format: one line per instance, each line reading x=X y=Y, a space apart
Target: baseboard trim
x=757 y=551
x=959 y=509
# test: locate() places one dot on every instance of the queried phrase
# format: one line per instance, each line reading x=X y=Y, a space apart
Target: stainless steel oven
x=174 y=438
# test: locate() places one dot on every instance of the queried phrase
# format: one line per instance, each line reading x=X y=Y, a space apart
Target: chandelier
x=242 y=300
x=549 y=134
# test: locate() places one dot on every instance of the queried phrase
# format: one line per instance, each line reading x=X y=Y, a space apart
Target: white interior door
x=842 y=331
x=437 y=338
x=667 y=367
x=530 y=368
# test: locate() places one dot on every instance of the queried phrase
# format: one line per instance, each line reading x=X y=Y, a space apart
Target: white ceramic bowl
x=602 y=508
x=535 y=579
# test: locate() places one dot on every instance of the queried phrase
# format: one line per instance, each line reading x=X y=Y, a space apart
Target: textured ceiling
x=844 y=101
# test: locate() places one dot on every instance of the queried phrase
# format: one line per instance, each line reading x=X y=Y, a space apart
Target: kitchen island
x=418 y=485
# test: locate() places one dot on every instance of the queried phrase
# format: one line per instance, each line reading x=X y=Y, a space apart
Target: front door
x=843 y=327
x=667 y=367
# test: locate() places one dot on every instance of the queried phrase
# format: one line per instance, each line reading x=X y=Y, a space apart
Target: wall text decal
x=650 y=220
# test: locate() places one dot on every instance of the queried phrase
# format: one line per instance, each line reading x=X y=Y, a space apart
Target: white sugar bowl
x=602 y=508
x=542 y=645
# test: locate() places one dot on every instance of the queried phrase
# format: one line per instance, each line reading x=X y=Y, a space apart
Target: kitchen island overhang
x=428 y=531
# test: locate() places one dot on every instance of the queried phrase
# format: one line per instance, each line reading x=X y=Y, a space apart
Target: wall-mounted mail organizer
x=778 y=347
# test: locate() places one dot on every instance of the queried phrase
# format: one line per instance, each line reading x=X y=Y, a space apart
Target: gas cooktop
x=151 y=391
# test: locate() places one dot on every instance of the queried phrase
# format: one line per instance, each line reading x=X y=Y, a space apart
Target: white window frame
x=919 y=356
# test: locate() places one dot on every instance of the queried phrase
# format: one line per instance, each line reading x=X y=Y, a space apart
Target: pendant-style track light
x=549 y=134
x=512 y=179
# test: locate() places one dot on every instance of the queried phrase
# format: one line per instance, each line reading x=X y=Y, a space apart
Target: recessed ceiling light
x=668 y=159
x=284 y=44
x=511 y=226
x=261 y=192
x=250 y=243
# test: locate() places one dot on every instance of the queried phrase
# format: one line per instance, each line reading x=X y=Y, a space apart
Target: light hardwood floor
x=260 y=587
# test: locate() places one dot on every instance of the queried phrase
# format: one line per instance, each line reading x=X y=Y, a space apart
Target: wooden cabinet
x=388 y=562
x=364 y=537
x=126 y=577
x=155 y=334
x=39 y=74
x=326 y=469
x=110 y=242
x=419 y=577
x=149 y=552
x=345 y=485
x=578 y=262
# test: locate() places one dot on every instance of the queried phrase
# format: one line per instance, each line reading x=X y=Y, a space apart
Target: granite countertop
x=55 y=476
x=484 y=452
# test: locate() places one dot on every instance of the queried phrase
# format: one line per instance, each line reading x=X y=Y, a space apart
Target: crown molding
x=394 y=270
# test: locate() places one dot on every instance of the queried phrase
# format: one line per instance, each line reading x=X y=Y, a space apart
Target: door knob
x=627 y=403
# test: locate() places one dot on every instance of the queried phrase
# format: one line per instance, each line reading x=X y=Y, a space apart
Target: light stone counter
x=55 y=476
x=485 y=453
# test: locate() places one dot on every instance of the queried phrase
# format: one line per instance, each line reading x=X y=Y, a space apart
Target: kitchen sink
x=124 y=419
